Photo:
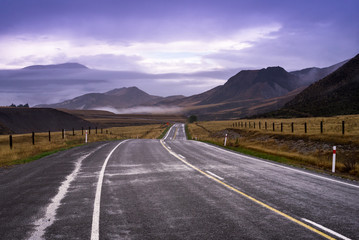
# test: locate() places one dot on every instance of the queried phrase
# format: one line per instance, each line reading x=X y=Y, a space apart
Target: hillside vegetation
x=24 y=151
x=336 y=94
x=312 y=149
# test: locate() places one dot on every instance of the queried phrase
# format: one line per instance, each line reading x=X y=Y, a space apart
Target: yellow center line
x=249 y=197
x=175 y=134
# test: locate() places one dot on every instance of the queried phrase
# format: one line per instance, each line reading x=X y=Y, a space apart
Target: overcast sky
x=157 y=37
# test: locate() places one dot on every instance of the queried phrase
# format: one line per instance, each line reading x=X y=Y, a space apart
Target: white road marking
x=214 y=175
x=169 y=147
x=168 y=133
x=326 y=229
x=50 y=216
x=277 y=165
x=95 y=231
x=248 y=196
x=180 y=155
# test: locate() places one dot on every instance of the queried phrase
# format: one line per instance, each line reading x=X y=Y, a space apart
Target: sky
x=207 y=40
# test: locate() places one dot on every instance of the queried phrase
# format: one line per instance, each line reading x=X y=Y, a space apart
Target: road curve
x=171 y=189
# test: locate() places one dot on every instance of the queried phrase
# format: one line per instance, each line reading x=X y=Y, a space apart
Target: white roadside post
x=225 y=140
x=334 y=155
x=86 y=137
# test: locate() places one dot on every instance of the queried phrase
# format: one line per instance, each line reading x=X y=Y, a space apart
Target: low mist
x=144 y=110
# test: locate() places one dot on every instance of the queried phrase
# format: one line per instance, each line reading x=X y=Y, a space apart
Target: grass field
x=312 y=149
x=24 y=151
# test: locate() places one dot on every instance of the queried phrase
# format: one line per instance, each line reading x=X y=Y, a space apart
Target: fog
x=144 y=110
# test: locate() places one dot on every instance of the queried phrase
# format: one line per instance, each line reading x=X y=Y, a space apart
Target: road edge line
x=95 y=229
x=251 y=198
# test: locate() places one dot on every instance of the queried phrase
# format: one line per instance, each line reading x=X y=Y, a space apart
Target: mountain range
x=335 y=94
x=247 y=93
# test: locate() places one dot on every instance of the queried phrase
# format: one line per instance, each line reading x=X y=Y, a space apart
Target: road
x=171 y=189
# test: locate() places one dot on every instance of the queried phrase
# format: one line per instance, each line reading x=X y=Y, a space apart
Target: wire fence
x=348 y=127
x=51 y=136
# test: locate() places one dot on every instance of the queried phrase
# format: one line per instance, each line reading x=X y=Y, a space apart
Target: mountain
x=310 y=75
x=252 y=92
x=255 y=84
x=117 y=98
x=336 y=94
x=247 y=93
x=57 y=66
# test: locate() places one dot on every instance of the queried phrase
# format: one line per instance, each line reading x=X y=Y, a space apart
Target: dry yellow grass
x=310 y=149
x=332 y=127
x=23 y=147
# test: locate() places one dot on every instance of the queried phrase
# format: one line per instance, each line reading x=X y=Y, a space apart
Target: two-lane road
x=171 y=189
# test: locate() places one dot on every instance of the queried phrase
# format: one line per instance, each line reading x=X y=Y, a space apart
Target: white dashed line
x=326 y=229
x=214 y=175
x=277 y=165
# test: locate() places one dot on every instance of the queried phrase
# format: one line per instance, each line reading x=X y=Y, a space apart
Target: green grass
x=41 y=155
x=254 y=153
x=280 y=159
x=164 y=132
x=188 y=134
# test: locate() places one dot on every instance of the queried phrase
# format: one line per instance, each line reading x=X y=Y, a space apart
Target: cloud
x=154 y=57
x=144 y=110
x=110 y=62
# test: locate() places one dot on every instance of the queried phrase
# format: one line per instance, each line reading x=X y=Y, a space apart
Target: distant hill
x=57 y=66
x=117 y=98
x=255 y=84
x=26 y=120
x=311 y=75
x=247 y=93
x=336 y=94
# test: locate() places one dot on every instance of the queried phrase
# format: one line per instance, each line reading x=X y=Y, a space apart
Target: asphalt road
x=171 y=189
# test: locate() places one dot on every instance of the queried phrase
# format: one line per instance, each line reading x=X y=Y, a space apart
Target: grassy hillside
x=336 y=94
x=312 y=149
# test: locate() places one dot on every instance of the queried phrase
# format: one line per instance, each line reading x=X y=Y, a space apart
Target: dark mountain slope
x=26 y=120
x=255 y=84
x=311 y=75
x=336 y=94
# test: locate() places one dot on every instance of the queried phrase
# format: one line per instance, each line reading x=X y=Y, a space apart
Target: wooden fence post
x=343 y=127
x=33 y=138
x=82 y=129
x=63 y=133
x=281 y=127
x=73 y=132
x=305 y=127
x=49 y=136
x=273 y=127
x=89 y=130
x=259 y=123
x=321 y=126
x=265 y=125
x=10 y=140
x=292 y=127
